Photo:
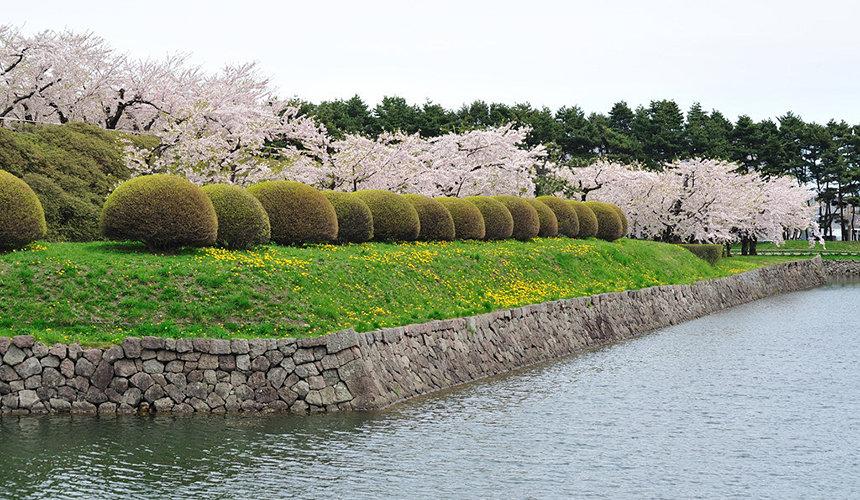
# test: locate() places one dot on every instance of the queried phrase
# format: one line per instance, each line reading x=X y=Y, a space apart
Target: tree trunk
x=745 y=246
x=753 y=242
x=728 y=249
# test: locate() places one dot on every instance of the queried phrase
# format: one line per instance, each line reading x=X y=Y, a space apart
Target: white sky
x=758 y=57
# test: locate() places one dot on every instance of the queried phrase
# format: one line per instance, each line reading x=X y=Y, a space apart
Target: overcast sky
x=756 y=57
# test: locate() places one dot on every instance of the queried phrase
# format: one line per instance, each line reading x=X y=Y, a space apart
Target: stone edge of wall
x=358 y=371
x=840 y=269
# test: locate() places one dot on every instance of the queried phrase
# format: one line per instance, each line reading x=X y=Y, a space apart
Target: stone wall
x=842 y=269
x=352 y=371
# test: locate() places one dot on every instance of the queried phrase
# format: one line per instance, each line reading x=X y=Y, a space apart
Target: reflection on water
x=759 y=401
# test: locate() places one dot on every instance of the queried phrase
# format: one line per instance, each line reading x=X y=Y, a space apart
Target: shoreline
x=350 y=371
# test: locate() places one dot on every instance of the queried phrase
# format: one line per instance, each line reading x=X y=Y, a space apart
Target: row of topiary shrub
x=166 y=211
x=711 y=253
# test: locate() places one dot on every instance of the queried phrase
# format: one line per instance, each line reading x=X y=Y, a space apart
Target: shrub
x=526 y=219
x=354 y=220
x=72 y=168
x=242 y=220
x=565 y=214
x=498 y=221
x=436 y=222
x=707 y=252
x=394 y=218
x=609 y=226
x=22 y=218
x=468 y=221
x=548 y=220
x=587 y=219
x=163 y=211
x=621 y=215
x=297 y=212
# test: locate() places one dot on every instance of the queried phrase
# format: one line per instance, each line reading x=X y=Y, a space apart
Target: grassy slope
x=97 y=293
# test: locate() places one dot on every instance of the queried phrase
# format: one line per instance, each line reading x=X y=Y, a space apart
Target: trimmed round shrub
x=394 y=218
x=526 y=219
x=468 y=221
x=565 y=214
x=621 y=215
x=548 y=221
x=163 y=211
x=354 y=220
x=609 y=226
x=436 y=222
x=22 y=219
x=242 y=220
x=708 y=252
x=498 y=221
x=297 y=212
x=587 y=219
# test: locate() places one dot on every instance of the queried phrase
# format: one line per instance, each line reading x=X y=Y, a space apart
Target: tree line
x=826 y=157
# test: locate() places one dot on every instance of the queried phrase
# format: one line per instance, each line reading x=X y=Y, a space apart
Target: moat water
x=761 y=401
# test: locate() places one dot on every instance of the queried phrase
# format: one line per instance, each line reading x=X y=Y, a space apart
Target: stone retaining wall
x=842 y=268
x=352 y=371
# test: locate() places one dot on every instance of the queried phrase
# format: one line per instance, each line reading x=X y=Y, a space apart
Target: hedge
x=587 y=219
x=297 y=212
x=609 y=226
x=435 y=220
x=468 y=221
x=624 y=224
x=548 y=220
x=565 y=214
x=526 y=219
x=163 y=211
x=710 y=253
x=72 y=168
x=394 y=218
x=242 y=220
x=22 y=218
x=498 y=221
x=354 y=220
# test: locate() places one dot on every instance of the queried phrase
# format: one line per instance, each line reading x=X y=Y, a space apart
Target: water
x=759 y=401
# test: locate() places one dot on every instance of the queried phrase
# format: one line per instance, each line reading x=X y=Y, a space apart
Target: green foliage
x=394 y=218
x=498 y=221
x=297 y=212
x=468 y=221
x=242 y=220
x=609 y=225
x=163 y=211
x=67 y=292
x=587 y=219
x=22 y=219
x=710 y=253
x=526 y=219
x=72 y=168
x=436 y=222
x=565 y=214
x=354 y=220
x=548 y=220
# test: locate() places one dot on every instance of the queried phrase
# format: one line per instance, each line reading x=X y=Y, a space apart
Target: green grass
x=835 y=250
x=803 y=245
x=98 y=293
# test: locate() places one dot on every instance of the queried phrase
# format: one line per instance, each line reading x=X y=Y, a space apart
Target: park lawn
x=803 y=245
x=98 y=293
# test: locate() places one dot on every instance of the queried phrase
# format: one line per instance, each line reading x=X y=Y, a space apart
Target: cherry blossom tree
x=491 y=161
x=698 y=200
x=480 y=162
x=230 y=127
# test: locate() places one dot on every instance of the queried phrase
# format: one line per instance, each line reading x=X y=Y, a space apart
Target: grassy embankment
x=98 y=293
